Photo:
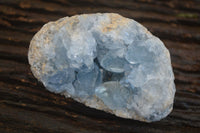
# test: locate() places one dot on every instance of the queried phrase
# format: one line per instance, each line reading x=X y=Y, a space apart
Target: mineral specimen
x=107 y=62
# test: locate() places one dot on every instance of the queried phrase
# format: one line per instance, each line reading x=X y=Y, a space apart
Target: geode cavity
x=107 y=62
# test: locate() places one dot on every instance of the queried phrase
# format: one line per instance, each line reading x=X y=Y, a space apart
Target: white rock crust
x=107 y=62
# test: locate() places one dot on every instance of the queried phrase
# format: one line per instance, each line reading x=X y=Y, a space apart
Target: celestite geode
x=107 y=62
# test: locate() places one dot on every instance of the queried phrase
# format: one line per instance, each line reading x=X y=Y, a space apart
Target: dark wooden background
x=26 y=106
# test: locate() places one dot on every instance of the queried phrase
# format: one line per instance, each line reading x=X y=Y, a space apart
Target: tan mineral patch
x=43 y=67
x=116 y=21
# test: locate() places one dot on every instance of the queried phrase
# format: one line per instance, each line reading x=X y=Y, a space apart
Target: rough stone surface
x=107 y=62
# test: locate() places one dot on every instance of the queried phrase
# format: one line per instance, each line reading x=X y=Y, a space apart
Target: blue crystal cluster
x=107 y=62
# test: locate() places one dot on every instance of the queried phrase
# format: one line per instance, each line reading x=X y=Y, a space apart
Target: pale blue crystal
x=107 y=62
x=114 y=95
x=87 y=81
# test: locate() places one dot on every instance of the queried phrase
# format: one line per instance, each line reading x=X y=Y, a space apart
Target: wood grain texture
x=26 y=106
